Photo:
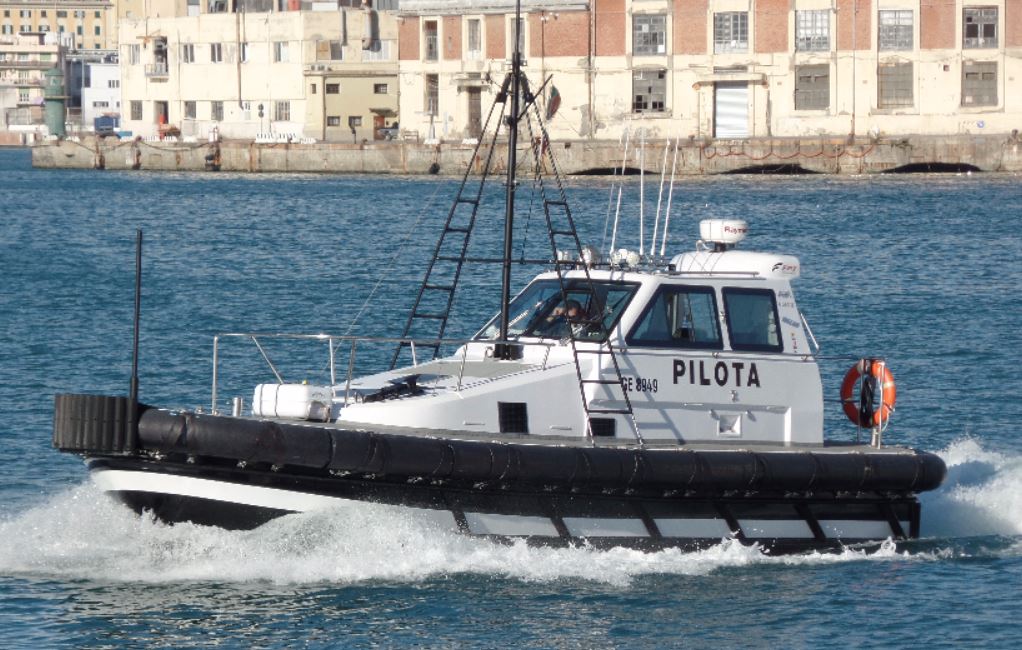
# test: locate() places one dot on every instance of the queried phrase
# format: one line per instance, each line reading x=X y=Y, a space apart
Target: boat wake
x=82 y=534
x=981 y=496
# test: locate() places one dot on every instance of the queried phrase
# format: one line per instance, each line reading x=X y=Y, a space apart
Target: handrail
x=353 y=340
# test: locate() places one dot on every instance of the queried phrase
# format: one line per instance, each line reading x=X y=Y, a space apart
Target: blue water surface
x=923 y=270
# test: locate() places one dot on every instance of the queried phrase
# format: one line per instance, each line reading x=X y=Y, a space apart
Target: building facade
x=82 y=24
x=260 y=70
x=100 y=90
x=24 y=59
x=720 y=68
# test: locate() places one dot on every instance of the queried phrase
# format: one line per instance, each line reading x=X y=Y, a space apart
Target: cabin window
x=752 y=320
x=679 y=317
x=540 y=310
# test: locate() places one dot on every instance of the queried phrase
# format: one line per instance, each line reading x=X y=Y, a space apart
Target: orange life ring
x=873 y=406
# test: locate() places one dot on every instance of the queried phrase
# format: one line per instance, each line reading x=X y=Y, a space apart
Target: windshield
x=590 y=311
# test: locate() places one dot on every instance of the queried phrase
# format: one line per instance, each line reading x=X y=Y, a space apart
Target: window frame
x=649 y=38
x=979 y=40
x=730 y=22
x=638 y=76
x=803 y=95
x=813 y=33
x=892 y=72
x=891 y=30
x=570 y=286
x=633 y=342
x=981 y=67
x=751 y=347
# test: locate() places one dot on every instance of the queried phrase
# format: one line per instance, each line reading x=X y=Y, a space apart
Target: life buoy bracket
x=872 y=407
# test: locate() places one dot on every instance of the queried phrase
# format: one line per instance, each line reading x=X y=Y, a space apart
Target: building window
x=895 y=84
x=61 y=14
x=354 y=120
x=432 y=50
x=26 y=13
x=329 y=51
x=521 y=36
x=473 y=49
x=96 y=30
x=23 y=95
x=80 y=13
x=333 y=120
x=280 y=52
x=189 y=110
x=44 y=27
x=432 y=98
x=812 y=87
x=135 y=54
x=649 y=34
x=895 y=29
x=113 y=83
x=216 y=53
x=979 y=83
x=731 y=32
x=243 y=53
x=332 y=89
x=187 y=53
x=812 y=31
x=7 y=29
x=649 y=91
x=97 y=15
x=312 y=89
x=78 y=30
x=980 y=26
x=136 y=109
x=100 y=104
x=282 y=111
x=380 y=89
x=216 y=111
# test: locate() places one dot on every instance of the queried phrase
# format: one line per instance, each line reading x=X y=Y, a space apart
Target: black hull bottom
x=242 y=498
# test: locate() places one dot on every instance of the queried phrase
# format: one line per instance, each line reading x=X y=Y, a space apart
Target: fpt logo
x=786 y=269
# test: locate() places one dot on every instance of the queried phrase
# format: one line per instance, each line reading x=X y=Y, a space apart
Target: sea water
x=923 y=270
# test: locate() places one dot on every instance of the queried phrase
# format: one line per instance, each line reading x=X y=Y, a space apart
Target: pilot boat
x=643 y=401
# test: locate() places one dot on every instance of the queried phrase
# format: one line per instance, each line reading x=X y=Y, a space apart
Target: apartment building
x=251 y=68
x=24 y=60
x=720 y=68
x=82 y=24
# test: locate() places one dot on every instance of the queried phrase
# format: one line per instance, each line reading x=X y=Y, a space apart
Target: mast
x=512 y=161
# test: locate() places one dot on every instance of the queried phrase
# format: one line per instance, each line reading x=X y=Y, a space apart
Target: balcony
x=157 y=71
x=26 y=65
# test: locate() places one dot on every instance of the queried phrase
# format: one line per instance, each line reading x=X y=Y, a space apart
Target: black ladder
x=566 y=230
x=432 y=308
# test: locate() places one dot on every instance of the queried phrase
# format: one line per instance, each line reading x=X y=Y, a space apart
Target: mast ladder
x=595 y=378
x=436 y=293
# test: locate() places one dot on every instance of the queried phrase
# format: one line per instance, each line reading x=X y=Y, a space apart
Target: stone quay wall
x=987 y=153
